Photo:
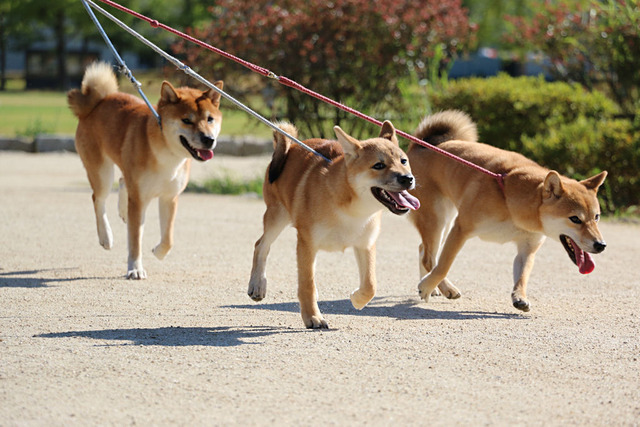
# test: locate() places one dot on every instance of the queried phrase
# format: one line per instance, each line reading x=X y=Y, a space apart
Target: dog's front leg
x=307 y=293
x=366 y=259
x=522 y=265
x=167 y=207
x=123 y=196
x=135 y=212
x=454 y=242
x=446 y=287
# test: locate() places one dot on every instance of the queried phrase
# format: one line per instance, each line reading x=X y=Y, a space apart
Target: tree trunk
x=61 y=50
x=3 y=54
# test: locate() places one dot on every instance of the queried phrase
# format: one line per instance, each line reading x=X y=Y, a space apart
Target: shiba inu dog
x=459 y=203
x=332 y=205
x=117 y=128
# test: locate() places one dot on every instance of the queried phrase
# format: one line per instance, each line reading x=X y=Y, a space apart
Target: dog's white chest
x=165 y=181
x=346 y=232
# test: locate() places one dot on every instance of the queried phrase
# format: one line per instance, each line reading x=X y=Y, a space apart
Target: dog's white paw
x=522 y=304
x=135 y=271
x=161 y=251
x=359 y=300
x=316 y=322
x=436 y=293
x=448 y=289
x=423 y=292
x=105 y=237
x=257 y=288
x=137 y=274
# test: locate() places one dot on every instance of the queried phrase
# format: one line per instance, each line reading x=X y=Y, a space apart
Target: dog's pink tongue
x=584 y=260
x=205 y=154
x=405 y=200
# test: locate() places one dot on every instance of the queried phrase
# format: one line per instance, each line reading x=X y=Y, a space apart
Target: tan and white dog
x=332 y=205
x=117 y=128
x=459 y=203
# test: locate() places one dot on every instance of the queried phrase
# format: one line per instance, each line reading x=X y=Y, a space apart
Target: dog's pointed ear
x=214 y=95
x=552 y=185
x=168 y=93
x=595 y=181
x=350 y=145
x=389 y=132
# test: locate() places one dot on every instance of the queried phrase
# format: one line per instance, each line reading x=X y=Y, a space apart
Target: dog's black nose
x=599 y=246
x=406 y=180
x=207 y=141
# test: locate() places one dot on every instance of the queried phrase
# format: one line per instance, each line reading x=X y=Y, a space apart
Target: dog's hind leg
x=366 y=259
x=101 y=180
x=275 y=220
x=522 y=265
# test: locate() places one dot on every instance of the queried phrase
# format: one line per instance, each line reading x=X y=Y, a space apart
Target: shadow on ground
x=392 y=307
x=177 y=336
x=30 y=279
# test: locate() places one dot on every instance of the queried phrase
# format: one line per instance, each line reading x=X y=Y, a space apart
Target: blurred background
x=557 y=81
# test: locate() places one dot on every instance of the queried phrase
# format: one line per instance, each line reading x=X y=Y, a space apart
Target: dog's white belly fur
x=499 y=232
x=346 y=232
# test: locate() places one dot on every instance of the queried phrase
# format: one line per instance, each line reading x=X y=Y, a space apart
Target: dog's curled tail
x=281 y=146
x=445 y=126
x=98 y=82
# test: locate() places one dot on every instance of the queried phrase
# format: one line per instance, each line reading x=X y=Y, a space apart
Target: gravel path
x=82 y=346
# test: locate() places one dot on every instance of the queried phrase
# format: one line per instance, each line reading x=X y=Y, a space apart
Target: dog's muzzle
x=199 y=154
x=407 y=181
x=208 y=142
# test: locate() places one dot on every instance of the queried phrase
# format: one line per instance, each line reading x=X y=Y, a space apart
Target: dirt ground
x=80 y=345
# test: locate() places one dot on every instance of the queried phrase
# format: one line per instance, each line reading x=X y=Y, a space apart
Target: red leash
x=290 y=83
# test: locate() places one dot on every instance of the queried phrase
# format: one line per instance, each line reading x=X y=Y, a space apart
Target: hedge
x=561 y=126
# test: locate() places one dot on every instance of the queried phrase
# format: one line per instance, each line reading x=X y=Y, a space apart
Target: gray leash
x=186 y=69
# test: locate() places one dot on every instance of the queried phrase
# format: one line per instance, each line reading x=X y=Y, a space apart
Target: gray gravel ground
x=80 y=345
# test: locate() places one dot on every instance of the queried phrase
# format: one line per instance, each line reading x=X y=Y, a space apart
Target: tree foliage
x=596 y=44
x=353 y=51
x=23 y=22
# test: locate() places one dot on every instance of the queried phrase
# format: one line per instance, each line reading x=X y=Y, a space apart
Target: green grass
x=28 y=113
x=228 y=185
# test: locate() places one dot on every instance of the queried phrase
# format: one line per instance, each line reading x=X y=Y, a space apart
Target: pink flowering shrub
x=354 y=51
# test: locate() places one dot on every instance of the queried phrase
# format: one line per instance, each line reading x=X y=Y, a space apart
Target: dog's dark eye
x=210 y=119
x=597 y=217
x=403 y=161
x=379 y=166
x=187 y=122
x=575 y=220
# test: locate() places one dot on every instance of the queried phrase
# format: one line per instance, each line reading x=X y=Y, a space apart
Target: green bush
x=561 y=126
x=507 y=108
x=587 y=146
